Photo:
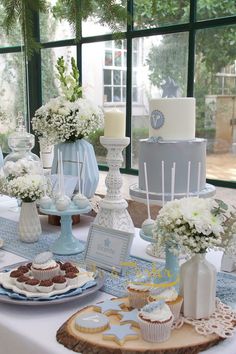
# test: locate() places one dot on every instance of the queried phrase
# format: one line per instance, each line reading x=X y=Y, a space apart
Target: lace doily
x=221 y=322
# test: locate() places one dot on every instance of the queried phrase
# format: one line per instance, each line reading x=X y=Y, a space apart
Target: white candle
x=188 y=178
x=163 y=182
x=198 y=178
x=173 y=181
x=114 y=124
x=147 y=195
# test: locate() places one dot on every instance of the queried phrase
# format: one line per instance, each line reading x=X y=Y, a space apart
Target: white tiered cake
x=172 y=140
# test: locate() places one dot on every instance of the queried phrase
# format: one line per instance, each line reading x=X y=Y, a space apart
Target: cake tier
x=181 y=152
x=172 y=118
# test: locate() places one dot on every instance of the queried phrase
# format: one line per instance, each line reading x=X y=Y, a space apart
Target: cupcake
x=24 y=269
x=21 y=281
x=171 y=298
x=44 y=267
x=155 y=320
x=72 y=269
x=14 y=275
x=31 y=285
x=71 y=278
x=45 y=286
x=64 y=267
x=59 y=282
x=138 y=292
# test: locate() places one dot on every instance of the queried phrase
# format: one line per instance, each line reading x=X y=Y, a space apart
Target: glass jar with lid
x=21 y=160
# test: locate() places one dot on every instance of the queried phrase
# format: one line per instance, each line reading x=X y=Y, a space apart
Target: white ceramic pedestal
x=113 y=208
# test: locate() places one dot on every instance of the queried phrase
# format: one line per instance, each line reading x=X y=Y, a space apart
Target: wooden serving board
x=182 y=341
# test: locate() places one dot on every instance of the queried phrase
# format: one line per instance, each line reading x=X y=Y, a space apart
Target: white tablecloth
x=32 y=329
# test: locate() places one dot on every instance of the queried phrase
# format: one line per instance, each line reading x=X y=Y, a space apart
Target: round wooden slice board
x=182 y=341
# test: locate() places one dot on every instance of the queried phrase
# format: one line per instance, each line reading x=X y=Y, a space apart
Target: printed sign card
x=107 y=248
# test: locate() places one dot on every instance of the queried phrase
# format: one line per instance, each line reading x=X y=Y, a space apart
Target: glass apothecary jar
x=21 y=160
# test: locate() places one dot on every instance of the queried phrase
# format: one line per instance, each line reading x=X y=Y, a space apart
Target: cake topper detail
x=170 y=88
x=157 y=119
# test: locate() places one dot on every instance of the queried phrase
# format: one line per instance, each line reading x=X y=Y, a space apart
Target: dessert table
x=32 y=329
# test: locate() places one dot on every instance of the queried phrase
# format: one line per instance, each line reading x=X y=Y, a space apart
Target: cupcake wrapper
x=60 y=286
x=45 y=273
x=138 y=299
x=155 y=332
x=175 y=309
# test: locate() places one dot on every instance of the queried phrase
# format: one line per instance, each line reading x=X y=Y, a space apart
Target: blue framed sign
x=107 y=248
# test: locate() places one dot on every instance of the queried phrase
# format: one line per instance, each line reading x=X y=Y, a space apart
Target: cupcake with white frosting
x=171 y=298
x=138 y=291
x=155 y=320
x=44 y=266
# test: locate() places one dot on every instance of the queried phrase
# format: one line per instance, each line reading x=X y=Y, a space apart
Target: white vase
x=198 y=287
x=29 y=227
x=46 y=153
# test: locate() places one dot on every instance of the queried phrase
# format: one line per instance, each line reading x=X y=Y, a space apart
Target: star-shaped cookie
x=120 y=333
x=108 y=307
x=129 y=317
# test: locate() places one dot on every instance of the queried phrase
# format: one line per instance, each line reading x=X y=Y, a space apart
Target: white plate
x=30 y=301
x=83 y=278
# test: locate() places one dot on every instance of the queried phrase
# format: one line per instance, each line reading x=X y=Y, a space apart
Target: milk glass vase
x=198 y=287
x=29 y=226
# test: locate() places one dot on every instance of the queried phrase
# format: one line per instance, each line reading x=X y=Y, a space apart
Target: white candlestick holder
x=113 y=207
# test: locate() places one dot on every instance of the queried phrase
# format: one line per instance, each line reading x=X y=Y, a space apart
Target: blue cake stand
x=67 y=244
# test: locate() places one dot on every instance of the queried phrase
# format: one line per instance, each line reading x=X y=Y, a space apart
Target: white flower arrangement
x=192 y=225
x=28 y=188
x=70 y=116
x=21 y=167
x=60 y=120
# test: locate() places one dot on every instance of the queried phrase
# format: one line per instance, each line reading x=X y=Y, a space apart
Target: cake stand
x=66 y=244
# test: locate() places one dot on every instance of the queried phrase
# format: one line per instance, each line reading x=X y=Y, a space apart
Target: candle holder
x=113 y=208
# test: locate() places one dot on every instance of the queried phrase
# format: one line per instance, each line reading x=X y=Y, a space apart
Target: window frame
x=33 y=67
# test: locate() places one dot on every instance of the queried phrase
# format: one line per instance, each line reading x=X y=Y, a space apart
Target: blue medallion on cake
x=157 y=119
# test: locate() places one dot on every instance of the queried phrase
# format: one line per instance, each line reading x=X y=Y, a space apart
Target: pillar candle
x=114 y=124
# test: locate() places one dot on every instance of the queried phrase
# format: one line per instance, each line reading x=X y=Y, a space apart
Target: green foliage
x=137 y=134
x=94 y=139
x=153 y=13
x=69 y=82
x=169 y=59
x=23 y=11
x=107 y=12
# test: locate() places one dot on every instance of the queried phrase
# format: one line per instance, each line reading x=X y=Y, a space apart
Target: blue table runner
x=114 y=284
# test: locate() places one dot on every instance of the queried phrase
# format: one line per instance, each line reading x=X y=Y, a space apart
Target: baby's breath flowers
x=60 y=120
x=193 y=225
x=28 y=188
